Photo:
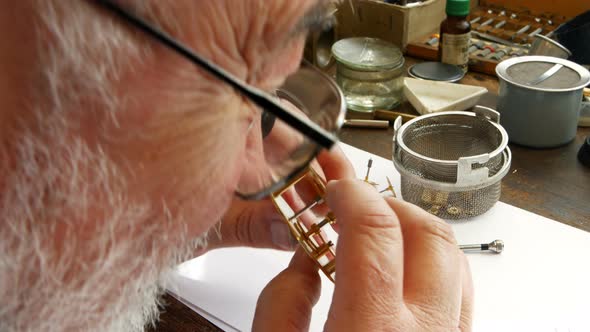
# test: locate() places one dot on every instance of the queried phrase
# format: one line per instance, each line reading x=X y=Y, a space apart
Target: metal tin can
x=540 y=99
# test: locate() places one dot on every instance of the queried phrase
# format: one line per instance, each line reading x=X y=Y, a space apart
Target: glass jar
x=369 y=72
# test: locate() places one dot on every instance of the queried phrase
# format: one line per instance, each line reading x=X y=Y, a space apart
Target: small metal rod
x=476 y=46
x=488 y=22
x=537 y=31
x=496 y=246
x=492 y=38
x=488 y=49
x=500 y=24
x=369 y=165
x=310 y=206
x=325 y=221
x=499 y=54
x=367 y=124
x=316 y=228
x=323 y=249
x=521 y=30
x=389 y=187
x=475 y=20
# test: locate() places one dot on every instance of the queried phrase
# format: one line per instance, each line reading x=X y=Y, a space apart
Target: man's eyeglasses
x=301 y=119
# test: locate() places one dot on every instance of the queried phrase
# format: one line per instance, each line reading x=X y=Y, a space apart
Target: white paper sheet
x=541 y=282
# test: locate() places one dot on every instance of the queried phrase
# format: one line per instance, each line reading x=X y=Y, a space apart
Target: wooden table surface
x=548 y=182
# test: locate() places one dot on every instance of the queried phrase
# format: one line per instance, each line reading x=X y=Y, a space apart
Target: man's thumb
x=287 y=301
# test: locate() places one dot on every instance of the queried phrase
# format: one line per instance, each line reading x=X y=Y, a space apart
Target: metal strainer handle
x=488 y=113
x=451 y=187
x=467 y=175
x=396 y=126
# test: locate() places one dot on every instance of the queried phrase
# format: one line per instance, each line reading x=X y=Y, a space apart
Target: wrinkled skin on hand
x=398 y=269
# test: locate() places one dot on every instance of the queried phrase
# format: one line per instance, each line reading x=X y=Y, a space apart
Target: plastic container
x=369 y=72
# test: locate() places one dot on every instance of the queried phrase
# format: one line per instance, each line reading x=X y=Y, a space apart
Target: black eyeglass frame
x=306 y=127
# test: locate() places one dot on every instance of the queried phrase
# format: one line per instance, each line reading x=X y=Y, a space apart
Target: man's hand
x=398 y=269
x=258 y=223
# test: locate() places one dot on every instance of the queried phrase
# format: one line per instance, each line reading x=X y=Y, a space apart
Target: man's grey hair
x=60 y=192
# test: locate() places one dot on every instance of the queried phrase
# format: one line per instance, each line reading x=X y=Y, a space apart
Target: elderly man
x=118 y=156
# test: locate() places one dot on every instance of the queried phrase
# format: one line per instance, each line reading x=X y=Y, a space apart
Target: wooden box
x=566 y=8
x=532 y=16
x=396 y=24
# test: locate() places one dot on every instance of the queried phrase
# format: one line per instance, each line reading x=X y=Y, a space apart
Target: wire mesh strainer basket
x=452 y=163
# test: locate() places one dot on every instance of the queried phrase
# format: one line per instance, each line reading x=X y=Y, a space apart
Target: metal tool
x=500 y=54
x=488 y=22
x=495 y=39
x=520 y=31
x=475 y=20
x=496 y=246
x=378 y=124
x=369 y=165
x=488 y=49
x=517 y=52
x=500 y=24
x=537 y=31
x=475 y=46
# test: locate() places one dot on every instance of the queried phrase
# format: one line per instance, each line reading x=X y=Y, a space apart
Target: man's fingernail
x=281 y=236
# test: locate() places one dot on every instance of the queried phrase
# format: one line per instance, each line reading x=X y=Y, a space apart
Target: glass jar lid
x=366 y=53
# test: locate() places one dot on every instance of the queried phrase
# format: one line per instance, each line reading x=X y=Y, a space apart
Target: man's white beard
x=105 y=272
x=76 y=252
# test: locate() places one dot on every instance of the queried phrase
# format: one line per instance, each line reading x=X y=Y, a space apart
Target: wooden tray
x=515 y=27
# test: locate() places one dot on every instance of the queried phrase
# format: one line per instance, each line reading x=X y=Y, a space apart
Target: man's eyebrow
x=317 y=18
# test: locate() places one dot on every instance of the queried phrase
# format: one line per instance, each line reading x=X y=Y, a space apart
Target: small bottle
x=455 y=33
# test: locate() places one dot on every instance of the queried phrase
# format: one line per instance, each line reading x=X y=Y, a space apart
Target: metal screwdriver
x=496 y=246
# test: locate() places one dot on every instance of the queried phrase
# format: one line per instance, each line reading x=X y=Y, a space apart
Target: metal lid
x=367 y=53
x=436 y=71
x=544 y=73
x=553 y=43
